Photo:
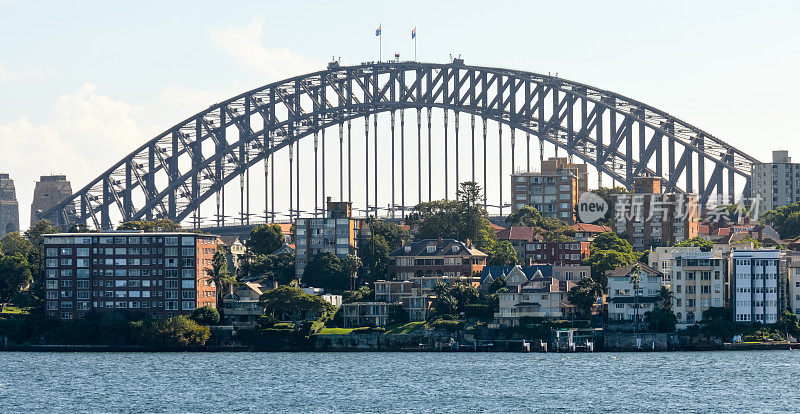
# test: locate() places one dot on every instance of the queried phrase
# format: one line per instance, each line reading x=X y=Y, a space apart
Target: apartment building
x=794 y=288
x=699 y=281
x=654 y=219
x=776 y=183
x=754 y=285
x=557 y=253
x=409 y=294
x=432 y=258
x=625 y=303
x=160 y=274
x=338 y=233
x=552 y=193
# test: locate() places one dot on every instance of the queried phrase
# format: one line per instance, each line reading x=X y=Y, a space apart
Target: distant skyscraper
x=9 y=208
x=49 y=191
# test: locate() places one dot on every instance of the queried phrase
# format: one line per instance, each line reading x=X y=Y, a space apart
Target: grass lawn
x=335 y=331
x=404 y=328
x=13 y=310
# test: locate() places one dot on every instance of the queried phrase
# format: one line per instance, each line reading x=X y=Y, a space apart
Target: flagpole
x=380 y=43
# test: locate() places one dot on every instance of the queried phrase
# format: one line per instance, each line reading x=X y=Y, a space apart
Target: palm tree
x=350 y=266
x=219 y=274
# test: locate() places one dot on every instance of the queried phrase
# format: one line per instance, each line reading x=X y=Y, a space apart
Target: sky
x=84 y=83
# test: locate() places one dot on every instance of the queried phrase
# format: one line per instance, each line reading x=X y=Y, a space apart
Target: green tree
x=362 y=294
x=786 y=220
x=35 y=234
x=503 y=254
x=609 y=252
x=788 y=322
x=206 y=315
x=280 y=269
x=525 y=216
x=350 y=266
x=697 y=241
x=176 y=332
x=660 y=320
x=325 y=271
x=13 y=243
x=374 y=254
x=393 y=234
x=292 y=302
x=265 y=239
x=14 y=275
x=151 y=226
x=583 y=295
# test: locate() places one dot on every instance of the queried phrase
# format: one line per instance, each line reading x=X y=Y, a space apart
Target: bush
x=478 y=311
x=205 y=315
x=446 y=325
x=397 y=314
x=177 y=332
x=284 y=326
x=267 y=321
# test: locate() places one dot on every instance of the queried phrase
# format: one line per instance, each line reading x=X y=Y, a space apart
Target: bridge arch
x=175 y=173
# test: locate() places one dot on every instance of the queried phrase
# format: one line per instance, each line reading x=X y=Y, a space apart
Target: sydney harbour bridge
x=447 y=123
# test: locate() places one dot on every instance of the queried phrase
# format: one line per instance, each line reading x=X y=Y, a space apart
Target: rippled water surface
x=400 y=382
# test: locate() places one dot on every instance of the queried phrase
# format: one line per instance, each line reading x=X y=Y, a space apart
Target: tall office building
x=776 y=183
x=9 y=208
x=49 y=191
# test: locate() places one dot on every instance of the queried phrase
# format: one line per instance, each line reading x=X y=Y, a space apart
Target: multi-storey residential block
x=160 y=274
x=625 y=303
x=553 y=193
x=338 y=234
x=432 y=259
x=794 y=288
x=655 y=219
x=776 y=183
x=580 y=170
x=557 y=253
x=754 y=285
x=699 y=281
x=408 y=293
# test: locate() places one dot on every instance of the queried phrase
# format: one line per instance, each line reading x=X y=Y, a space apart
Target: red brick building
x=160 y=274
x=557 y=253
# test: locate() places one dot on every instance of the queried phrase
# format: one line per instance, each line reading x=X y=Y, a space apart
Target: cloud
x=244 y=45
x=29 y=74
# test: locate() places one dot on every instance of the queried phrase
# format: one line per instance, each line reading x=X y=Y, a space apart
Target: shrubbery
x=368 y=330
x=206 y=316
x=446 y=325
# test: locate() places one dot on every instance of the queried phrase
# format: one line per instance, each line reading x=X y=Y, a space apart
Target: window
x=187 y=284
x=187 y=241
x=171 y=273
x=188 y=305
x=187 y=251
x=170 y=241
x=187 y=273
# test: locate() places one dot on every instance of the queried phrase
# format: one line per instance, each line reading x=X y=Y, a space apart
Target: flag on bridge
x=414 y=33
x=378 y=31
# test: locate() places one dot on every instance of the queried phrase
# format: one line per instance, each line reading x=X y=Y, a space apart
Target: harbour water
x=758 y=381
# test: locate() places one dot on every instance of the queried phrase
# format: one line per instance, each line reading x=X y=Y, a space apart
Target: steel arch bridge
x=173 y=174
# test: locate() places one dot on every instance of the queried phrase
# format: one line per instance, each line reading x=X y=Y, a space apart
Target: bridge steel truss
x=171 y=175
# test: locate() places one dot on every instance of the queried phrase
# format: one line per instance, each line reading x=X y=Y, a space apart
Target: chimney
x=439 y=242
x=468 y=243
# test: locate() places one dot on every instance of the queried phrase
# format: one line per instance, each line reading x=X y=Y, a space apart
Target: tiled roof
x=517 y=233
x=590 y=228
x=529 y=271
x=495 y=226
x=444 y=247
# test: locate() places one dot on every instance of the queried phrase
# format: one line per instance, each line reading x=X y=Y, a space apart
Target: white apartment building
x=754 y=285
x=698 y=282
x=623 y=300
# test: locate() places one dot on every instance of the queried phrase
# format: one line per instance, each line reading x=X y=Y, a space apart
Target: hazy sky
x=83 y=83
